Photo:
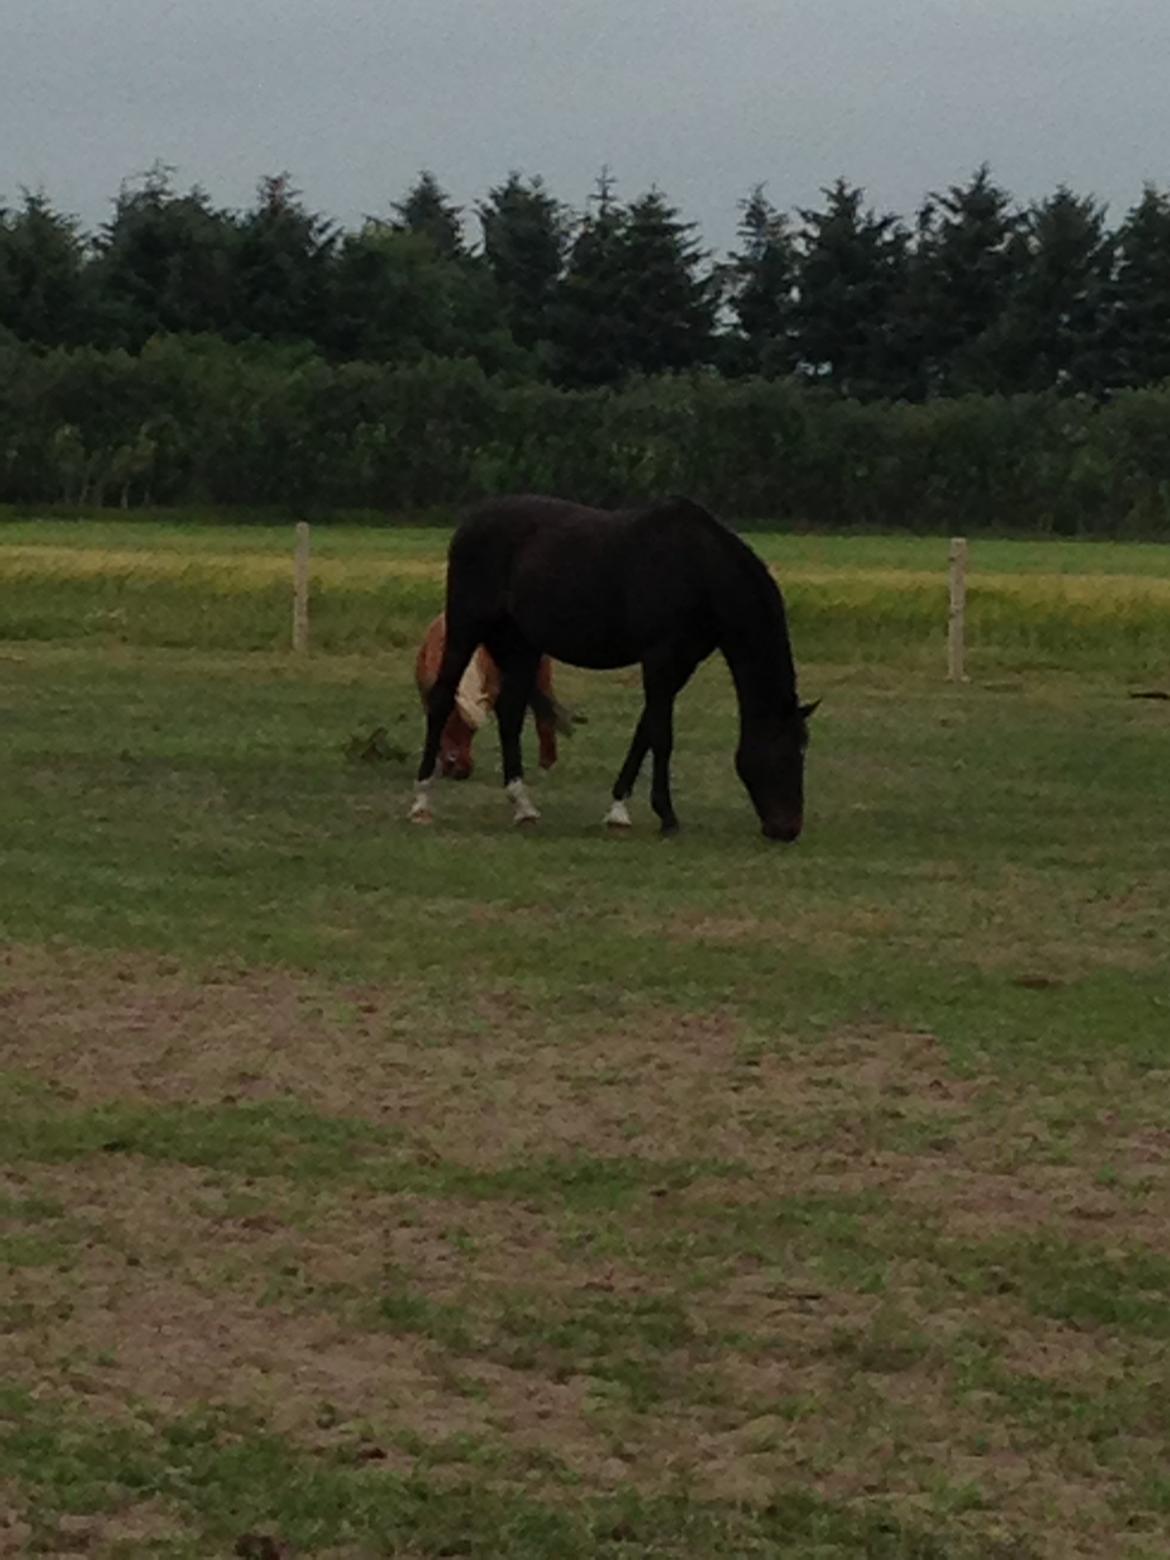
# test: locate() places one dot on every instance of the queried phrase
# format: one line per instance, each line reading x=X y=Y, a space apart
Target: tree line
x=974 y=294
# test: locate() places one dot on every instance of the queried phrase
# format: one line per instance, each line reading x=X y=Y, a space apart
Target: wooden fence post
x=957 y=623
x=300 y=632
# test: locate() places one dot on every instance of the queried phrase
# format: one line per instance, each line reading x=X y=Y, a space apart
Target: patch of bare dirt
x=164 y=1303
x=1011 y=929
x=188 y=1287
x=15 y=1533
x=872 y=1109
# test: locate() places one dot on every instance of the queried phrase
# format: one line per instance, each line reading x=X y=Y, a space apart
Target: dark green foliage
x=968 y=255
x=635 y=298
x=1052 y=331
x=666 y=299
x=525 y=240
x=197 y=420
x=165 y=262
x=42 y=284
x=587 y=326
x=426 y=210
x=282 y=269
x=761 y=282
x=852 y=270
x=1139 y=322
x=394 y=299
x=977 y=297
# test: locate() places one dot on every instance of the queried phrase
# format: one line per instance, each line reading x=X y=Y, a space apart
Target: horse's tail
x=550 y=713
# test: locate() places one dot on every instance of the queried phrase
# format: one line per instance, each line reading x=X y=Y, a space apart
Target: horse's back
x=590 y=586
x=503 y=526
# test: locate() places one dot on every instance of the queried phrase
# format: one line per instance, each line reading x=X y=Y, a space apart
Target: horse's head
x=455 y=762
x=770 y=762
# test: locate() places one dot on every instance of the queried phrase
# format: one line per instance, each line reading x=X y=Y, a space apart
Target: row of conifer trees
x=973 y=293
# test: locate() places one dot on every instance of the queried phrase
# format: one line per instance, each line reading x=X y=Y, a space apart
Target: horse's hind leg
x=460 y=647
x=517 y=679
x=660 y=730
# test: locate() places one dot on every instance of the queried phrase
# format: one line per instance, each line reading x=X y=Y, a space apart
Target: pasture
x=373 y=1190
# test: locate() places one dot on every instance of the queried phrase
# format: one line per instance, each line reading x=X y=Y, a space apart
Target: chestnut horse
x=665 y=586
x=475 y=699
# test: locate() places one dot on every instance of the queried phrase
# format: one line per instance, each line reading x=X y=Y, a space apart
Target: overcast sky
x=702 y=97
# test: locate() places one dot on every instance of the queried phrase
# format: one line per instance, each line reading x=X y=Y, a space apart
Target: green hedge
x=193 y=420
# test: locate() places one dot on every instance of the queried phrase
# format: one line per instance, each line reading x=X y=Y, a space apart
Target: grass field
x=367 y=1190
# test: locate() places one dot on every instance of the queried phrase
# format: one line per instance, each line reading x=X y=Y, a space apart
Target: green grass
x=229 y=1478
x=398 y=1191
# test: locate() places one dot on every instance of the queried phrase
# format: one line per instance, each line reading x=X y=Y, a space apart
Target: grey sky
x=703 y=97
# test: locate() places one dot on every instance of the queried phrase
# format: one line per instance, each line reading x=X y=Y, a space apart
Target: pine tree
x=851 y=274
x=588 y=332
x=761 y=283
x=393 y=299
x=1138 y=324
x=164 y=263
x=968 y=256
x=667 y=297
x=634 y=298
x=42 y=281
x=1051 y=334
x=283 y=260
x=387 y=299
x=426 y=209
x=525 y=239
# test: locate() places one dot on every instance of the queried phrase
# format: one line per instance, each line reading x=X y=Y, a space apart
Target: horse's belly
x=596 y=607
x=598 y=639
x=591 y=646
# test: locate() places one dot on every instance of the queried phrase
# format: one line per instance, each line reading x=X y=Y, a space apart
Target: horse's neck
x=764 y=677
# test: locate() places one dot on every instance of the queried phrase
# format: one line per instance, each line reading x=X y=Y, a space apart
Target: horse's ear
x=806 y=710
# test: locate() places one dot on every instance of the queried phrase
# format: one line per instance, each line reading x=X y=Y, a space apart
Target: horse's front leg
x=618 y=816
x=517 y=679
x=664 y=675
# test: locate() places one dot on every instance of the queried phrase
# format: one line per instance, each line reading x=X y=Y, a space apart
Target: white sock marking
x=420 y=810
x=618 y=816
x=523 y=808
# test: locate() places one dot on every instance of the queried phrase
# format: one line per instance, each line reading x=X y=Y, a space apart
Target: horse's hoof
x=527 y=820
x=668 y=831
x=422 y=817
x=617 y=819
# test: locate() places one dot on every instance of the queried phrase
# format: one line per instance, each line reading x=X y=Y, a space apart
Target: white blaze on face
x=471 y=697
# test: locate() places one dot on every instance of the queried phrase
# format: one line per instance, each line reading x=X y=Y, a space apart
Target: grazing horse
x=475 y=698
x=665 y=586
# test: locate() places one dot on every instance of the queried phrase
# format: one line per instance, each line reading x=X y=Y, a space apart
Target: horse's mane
x=761 y=585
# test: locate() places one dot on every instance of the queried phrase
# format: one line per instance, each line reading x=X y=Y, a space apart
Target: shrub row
x=193 y=420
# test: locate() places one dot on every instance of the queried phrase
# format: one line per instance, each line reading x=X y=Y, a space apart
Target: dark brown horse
x=664 y=586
